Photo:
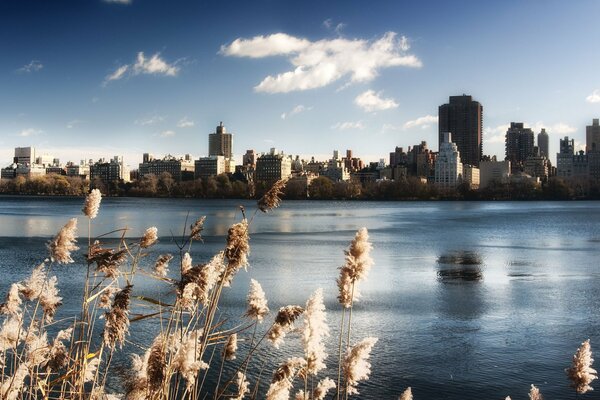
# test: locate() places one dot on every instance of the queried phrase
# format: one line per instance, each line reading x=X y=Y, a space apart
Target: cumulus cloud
x=320 y=63
x=168 y=133
x=343 y=126
x=152 y=120
x=296 y=110
x=594 y=97
x=371 y=101
x=497 y=134
x=154 y=65
x=422 y=122
x=29 y=132
x=559 y=128
x=33 y=66
x=185 y=123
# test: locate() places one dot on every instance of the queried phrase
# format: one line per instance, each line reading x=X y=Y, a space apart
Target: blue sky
x=94 y=78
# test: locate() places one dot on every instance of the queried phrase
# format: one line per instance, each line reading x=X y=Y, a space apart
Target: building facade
x=493 y=171
x=181 y=169
x=463 y=117
x=448 y=165
x=209 y=166
x=220 y=143
x=519 y=145
x=592 y=137
x=272 y=166
x=564 y=158
x=543 y=143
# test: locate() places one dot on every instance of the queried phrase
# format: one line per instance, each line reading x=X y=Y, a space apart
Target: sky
x=84 y=79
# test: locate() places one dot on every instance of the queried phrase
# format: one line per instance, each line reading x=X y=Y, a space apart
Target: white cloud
x=33 y=66
x=371 y=101
x=423 y=122
x=320 y=63
x=498 y=134
x=559 y=128
x=296 y=110
x=342 y=126
x=168 y=133
x=185 y=123
x=495 y=134
x=594 y=97
x=337 y=28
x=155 y=65
x=30 y=132
x=153 y=120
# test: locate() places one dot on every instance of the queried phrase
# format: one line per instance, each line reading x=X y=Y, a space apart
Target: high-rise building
x=463 y=117
x=543 y=142
x=564 y=159
x=220 y=142
x=272 y=166
x=519 y=145
x=24 y=155
x=592 y=137
x=206 y=167
x=448 y=165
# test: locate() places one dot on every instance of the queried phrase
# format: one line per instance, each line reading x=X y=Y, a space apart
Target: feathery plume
x=324 y=386
x=105 y=299
x=196 y=229
x=107 y=261
x=37 y=348
x=98 y=393
x=315 y=330
x=161 y=267
x=157 y=364
x=230 y=347
x=64 y=243
x=149 y=238
x=243 y=386
x=356 y=363
x=257 y=302
x=186 y=263
x=407 y=395
x=197 y=282
x=12 y=332
x=92 y=204
x=356 y=267
x=272 y=198
x=11 y=387
x=57 y=357
x=136 y=381
x=117 y=319
x=237 y=249
x=283 y=323
x=283 y=378
x=187 y=357
x=534 y=393
x=581 y=372
x=49 y=299
x=32 y=287
x=91 y=367
x=507 y=398
x=12 y=304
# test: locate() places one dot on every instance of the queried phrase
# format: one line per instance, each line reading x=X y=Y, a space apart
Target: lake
x=469 y=300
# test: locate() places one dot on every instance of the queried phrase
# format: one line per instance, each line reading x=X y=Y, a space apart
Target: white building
x=205 y=167
x=493 y=171
x=448 y=167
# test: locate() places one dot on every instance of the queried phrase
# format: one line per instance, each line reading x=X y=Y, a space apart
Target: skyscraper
x=592 y=137
x=519 y=145
x=542 y=139
x=220 y=143
x=463 y=117
x=448 y=166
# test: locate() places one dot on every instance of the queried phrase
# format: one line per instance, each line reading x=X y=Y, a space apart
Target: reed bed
x=71 y=357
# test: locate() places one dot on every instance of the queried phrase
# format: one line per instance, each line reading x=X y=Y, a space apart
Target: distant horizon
x=101 y=78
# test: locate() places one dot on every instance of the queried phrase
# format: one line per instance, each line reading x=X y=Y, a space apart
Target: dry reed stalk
x=356 y=364
x=187 y=359
x=271 y=198
x=581 y=372
x=237 y=250
x=117 y=319
x=356 y=267
x=92 y=204
x=107 y=261
x=230 y=347
x=197 y=282
x=283 y=378
x=161 y=267
x=196 y=229
x=157 y=364
x=243 y=386
x=63 y=243
x=149 y=238
x=12 y=304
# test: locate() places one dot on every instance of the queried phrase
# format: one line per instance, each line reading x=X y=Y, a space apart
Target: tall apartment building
x=206 y=167
x=220 y=142
x=24 y=155
x=543 y=143
x=592 y=137
x=564 y=158
x=519 y=145
x=181 y=169
x=110 y=171
x=463 y=117
x=448 y=165
x=272 y=166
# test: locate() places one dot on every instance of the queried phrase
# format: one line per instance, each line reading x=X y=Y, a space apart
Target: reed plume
x=230 y=347
x=92 y=204
x=117 y=319
x=12 y=386
x=107 y=261
x=136 y=382
x=37 y=348
x=534 y=393
x=284 y=322
x=187 y=357
x=186 y=263
x=237 y=250
x=197 y=282
x=356 y=267
x=257 y=302
x=271 y=198
x=314 y=332
x=32 y=287
x=49 y=299
x=63 y=243
x=149 y=238
x=356 y=364
x=243 y=386
x=105 y=299
x=196 y=229
x=161 y=267
x=91 y=366
x=407 y=395
x=11 y=333
x=157 y=364
x=581 y=372
x=12 y=304
x=323 y=387
x=283 y=379
x=58 y=353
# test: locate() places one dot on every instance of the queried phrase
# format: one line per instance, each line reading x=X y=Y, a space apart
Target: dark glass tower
x=463 y=117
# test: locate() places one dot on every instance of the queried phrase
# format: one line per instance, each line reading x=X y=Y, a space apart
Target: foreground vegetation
x=46 y=355
x=322 y=188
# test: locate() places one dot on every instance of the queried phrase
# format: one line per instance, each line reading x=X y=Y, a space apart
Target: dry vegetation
x=44 y=357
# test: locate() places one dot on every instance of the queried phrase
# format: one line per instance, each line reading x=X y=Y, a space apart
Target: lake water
x=469 y=300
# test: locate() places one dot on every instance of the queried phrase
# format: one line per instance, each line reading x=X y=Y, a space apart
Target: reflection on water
x=460 y=266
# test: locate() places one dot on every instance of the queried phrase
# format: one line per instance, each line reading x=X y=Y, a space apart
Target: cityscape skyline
x=159 y=75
